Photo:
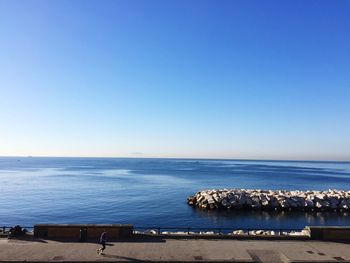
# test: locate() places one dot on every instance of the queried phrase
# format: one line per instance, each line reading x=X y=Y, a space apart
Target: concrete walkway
x=180 y=250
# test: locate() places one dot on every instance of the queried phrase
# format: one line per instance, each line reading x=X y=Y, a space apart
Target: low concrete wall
x=82 y=231
x=329 y=233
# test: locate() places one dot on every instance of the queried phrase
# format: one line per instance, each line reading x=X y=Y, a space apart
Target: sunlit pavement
x=196 y=250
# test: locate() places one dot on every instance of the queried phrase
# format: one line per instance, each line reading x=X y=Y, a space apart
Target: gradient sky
x=217 y=79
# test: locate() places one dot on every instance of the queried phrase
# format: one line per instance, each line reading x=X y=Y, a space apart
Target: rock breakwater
x=331 y=200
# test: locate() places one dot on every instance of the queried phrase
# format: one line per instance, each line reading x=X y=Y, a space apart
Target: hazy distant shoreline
x=184 y=158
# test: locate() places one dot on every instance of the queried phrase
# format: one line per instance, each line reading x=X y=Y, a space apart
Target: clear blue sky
x=217 y=79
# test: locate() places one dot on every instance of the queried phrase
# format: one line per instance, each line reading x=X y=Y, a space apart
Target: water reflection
x=272 y=219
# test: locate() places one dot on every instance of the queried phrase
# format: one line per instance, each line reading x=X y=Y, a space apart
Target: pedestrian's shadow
x=109 y=244
x=125 y=258
x=144 y=239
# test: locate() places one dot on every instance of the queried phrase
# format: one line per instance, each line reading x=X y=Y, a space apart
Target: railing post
x=188 y=231
x=158 y=230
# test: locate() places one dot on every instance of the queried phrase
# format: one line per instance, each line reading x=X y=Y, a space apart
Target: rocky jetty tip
x=331 y=200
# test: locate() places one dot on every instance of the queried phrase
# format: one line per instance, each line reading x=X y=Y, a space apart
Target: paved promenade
x=180 y=250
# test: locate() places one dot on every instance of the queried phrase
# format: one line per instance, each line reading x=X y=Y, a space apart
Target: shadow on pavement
x=125 y=258
x=145 y=239
x=341 y=241
x=141 y=239
x=29 y=239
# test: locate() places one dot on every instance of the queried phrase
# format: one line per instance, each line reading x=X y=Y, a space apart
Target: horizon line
x=179 y=158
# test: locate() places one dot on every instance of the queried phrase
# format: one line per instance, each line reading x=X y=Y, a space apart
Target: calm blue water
x=147 y=192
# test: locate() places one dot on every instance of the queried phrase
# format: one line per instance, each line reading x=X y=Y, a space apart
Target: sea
x=152 y=193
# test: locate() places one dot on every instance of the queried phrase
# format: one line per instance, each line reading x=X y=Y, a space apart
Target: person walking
x=102 y=241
